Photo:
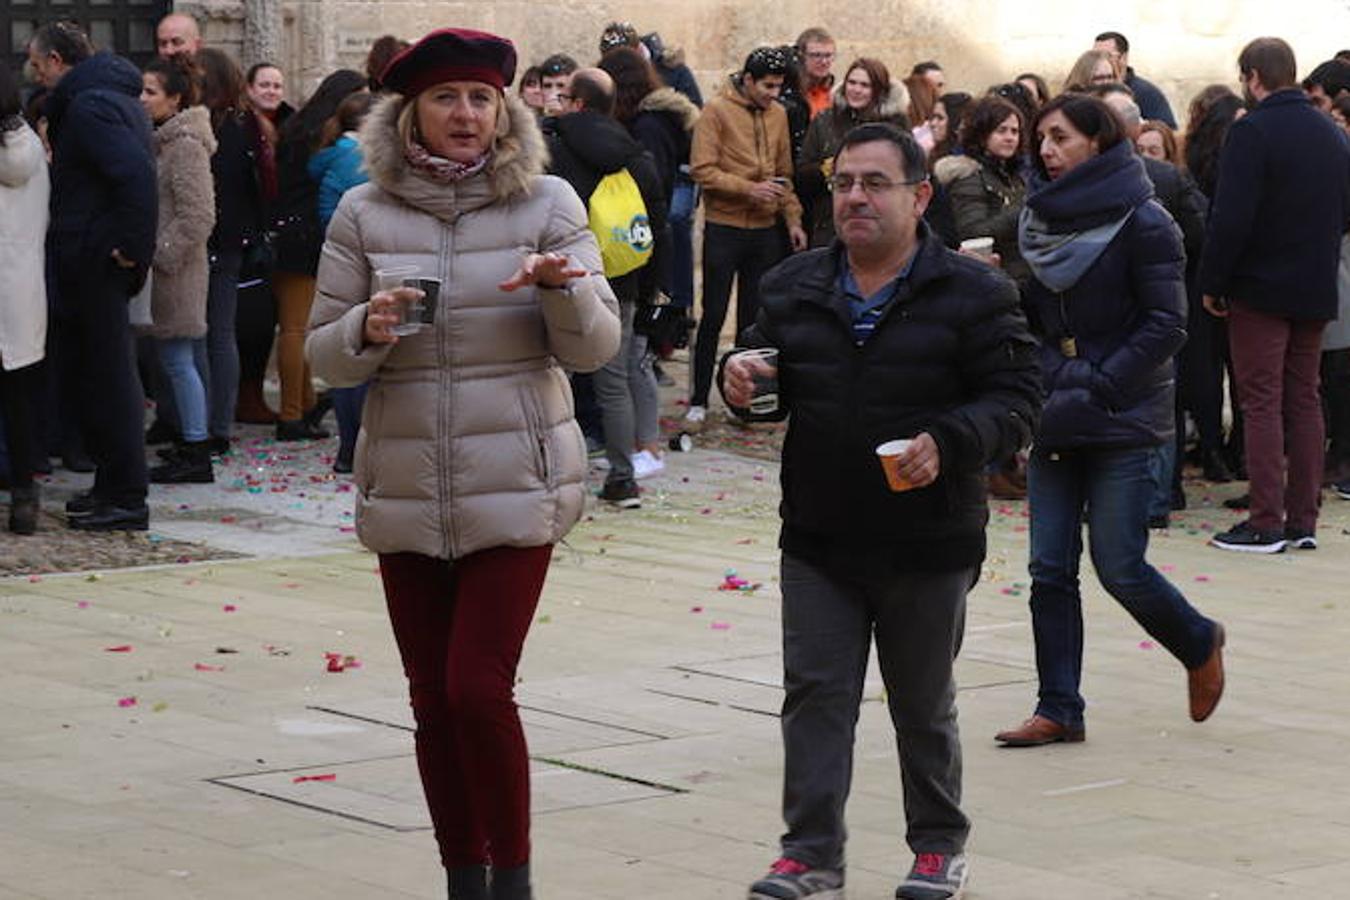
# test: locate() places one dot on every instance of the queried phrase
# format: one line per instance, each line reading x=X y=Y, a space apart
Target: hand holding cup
x=746 y=375
x=910 y=462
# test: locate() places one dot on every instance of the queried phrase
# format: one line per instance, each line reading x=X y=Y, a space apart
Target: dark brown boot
x=251 y=408
x=23 y=509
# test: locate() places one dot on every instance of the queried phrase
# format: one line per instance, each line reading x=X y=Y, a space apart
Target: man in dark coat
x=102 y=239
x=1152 y=102
x=1270 y=263
x=587 y=145
x=884 y=335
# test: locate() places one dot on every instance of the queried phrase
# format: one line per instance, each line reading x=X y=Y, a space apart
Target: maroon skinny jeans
x=460 y=628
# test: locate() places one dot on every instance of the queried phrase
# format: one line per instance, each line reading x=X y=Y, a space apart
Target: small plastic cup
x=979 y=246
x=764 y=401
x=402 y=281
x=889 y=455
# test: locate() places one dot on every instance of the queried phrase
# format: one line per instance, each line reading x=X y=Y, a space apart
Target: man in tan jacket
x=742 y=159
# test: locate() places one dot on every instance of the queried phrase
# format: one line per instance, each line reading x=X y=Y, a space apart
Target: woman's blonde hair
x=1080 y=76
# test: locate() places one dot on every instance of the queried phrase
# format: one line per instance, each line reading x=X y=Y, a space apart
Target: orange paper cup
x=889 y=454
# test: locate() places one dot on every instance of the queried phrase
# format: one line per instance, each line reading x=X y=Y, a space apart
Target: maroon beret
x=451 y=54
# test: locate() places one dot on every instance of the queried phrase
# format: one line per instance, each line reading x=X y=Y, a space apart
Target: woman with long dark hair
x=1206 y=355
x=238 y=220
x=25 y=189
x=866 y=94
x=180 y=274
x=662 y=120
x=1108 y=288
x=295 y=219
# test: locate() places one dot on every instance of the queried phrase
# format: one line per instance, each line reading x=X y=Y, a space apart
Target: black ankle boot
x=468 y=883
x=190 y=465
x=511 y=883
x=299 y=430
x=23 y=509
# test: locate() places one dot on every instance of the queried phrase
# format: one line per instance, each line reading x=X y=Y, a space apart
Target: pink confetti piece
x=1012 y=592
x=230 y=607
x=301 y=779
x=228 y=520
x=721 y=626
x=1145 y=645
x=1168 y=567
x=203 y=667
x=83 y=604
x=339 y=662
x=696 y=609
x=126 y=702
x=120 y=648
x=34 y=578
x=1202 y=578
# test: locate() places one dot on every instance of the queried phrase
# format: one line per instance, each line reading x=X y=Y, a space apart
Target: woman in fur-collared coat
x=469 y=464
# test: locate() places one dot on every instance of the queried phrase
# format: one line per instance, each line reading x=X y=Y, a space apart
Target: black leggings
x=255 y=327
x=742 y=255
x=17 y=393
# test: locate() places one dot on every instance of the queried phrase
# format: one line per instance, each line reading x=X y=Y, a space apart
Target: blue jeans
x=347 y=406
x=1161 y=469
x=221 y=370
x=189 y=394
x=683 y=203
x=1111 y=491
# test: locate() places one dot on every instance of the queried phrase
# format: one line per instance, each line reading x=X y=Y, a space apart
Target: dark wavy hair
x=982 y=119
x=10 y=106
x=307 y=124
x=634 y=78
x=222 y=84
x=1205 y=135
x=879 y=76
x=385 y=48
x=1087 y=114
x=180 y=77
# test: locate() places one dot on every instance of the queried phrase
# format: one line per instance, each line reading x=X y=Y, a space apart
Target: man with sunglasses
x=884 y=335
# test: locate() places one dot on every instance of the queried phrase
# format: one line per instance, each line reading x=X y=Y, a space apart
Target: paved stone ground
x=174 y=731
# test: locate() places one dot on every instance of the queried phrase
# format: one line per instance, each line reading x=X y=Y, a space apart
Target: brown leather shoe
x=1205 y=684
x=1037 y=731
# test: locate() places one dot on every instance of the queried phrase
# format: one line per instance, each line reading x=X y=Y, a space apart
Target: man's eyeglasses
x=871 y=184
x=821 y=56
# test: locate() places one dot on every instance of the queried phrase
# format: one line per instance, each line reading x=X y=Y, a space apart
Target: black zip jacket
x=951 y=356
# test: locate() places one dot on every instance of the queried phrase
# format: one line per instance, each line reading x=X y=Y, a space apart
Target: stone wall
x=1181 y=45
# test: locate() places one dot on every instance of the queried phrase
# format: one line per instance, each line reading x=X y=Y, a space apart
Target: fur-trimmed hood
x=673 y=103
x=952 y=168
x=518 y=159
x=895 y=103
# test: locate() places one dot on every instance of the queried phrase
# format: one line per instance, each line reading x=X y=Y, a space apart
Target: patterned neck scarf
x=439 y=169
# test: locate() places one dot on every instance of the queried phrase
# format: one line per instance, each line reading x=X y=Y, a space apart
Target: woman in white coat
x=24 y=191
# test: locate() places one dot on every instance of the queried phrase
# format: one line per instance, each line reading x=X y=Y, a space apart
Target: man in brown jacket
x=742 y=159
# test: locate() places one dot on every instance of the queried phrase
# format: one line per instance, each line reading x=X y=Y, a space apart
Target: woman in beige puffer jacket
x=469 y=464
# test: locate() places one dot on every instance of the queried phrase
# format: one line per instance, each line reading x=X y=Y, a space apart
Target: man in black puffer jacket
x=886 y=334
x=101 y=240
x=587 y=145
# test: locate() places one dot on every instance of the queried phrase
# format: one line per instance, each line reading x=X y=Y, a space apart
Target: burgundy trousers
x=1276 y=361
x=460 y=628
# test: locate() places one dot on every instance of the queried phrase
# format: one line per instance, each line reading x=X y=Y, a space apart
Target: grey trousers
x=614 y=395
x=829 y=620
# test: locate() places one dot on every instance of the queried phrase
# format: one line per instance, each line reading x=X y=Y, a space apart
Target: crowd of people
x=1042 y=293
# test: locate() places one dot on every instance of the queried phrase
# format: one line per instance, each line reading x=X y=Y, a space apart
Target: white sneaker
x=647 y=464
x=696 y=415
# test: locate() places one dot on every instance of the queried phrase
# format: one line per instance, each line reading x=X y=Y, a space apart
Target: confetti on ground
x=300 y=779
x=126 y=702
x=83 y=604
x=120 y=648
x=230 y=607
x=732 y=582
x=696 y=609
x=226 y=650
x=338 y=662
x=274 y=650
x=159 y=707
x=721 y=626
x=1145 y=645
x=1202 y=578
x=203 y=667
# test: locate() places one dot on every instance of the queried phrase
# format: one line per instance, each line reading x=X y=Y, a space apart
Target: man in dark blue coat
x=1152 y=102
x=884 y=335
x=1270 y=261
x=102 y=240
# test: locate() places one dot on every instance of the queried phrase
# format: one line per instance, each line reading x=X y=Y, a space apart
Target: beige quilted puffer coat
x=468 y=440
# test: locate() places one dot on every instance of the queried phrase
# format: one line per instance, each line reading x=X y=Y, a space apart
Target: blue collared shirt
x=867 y=311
